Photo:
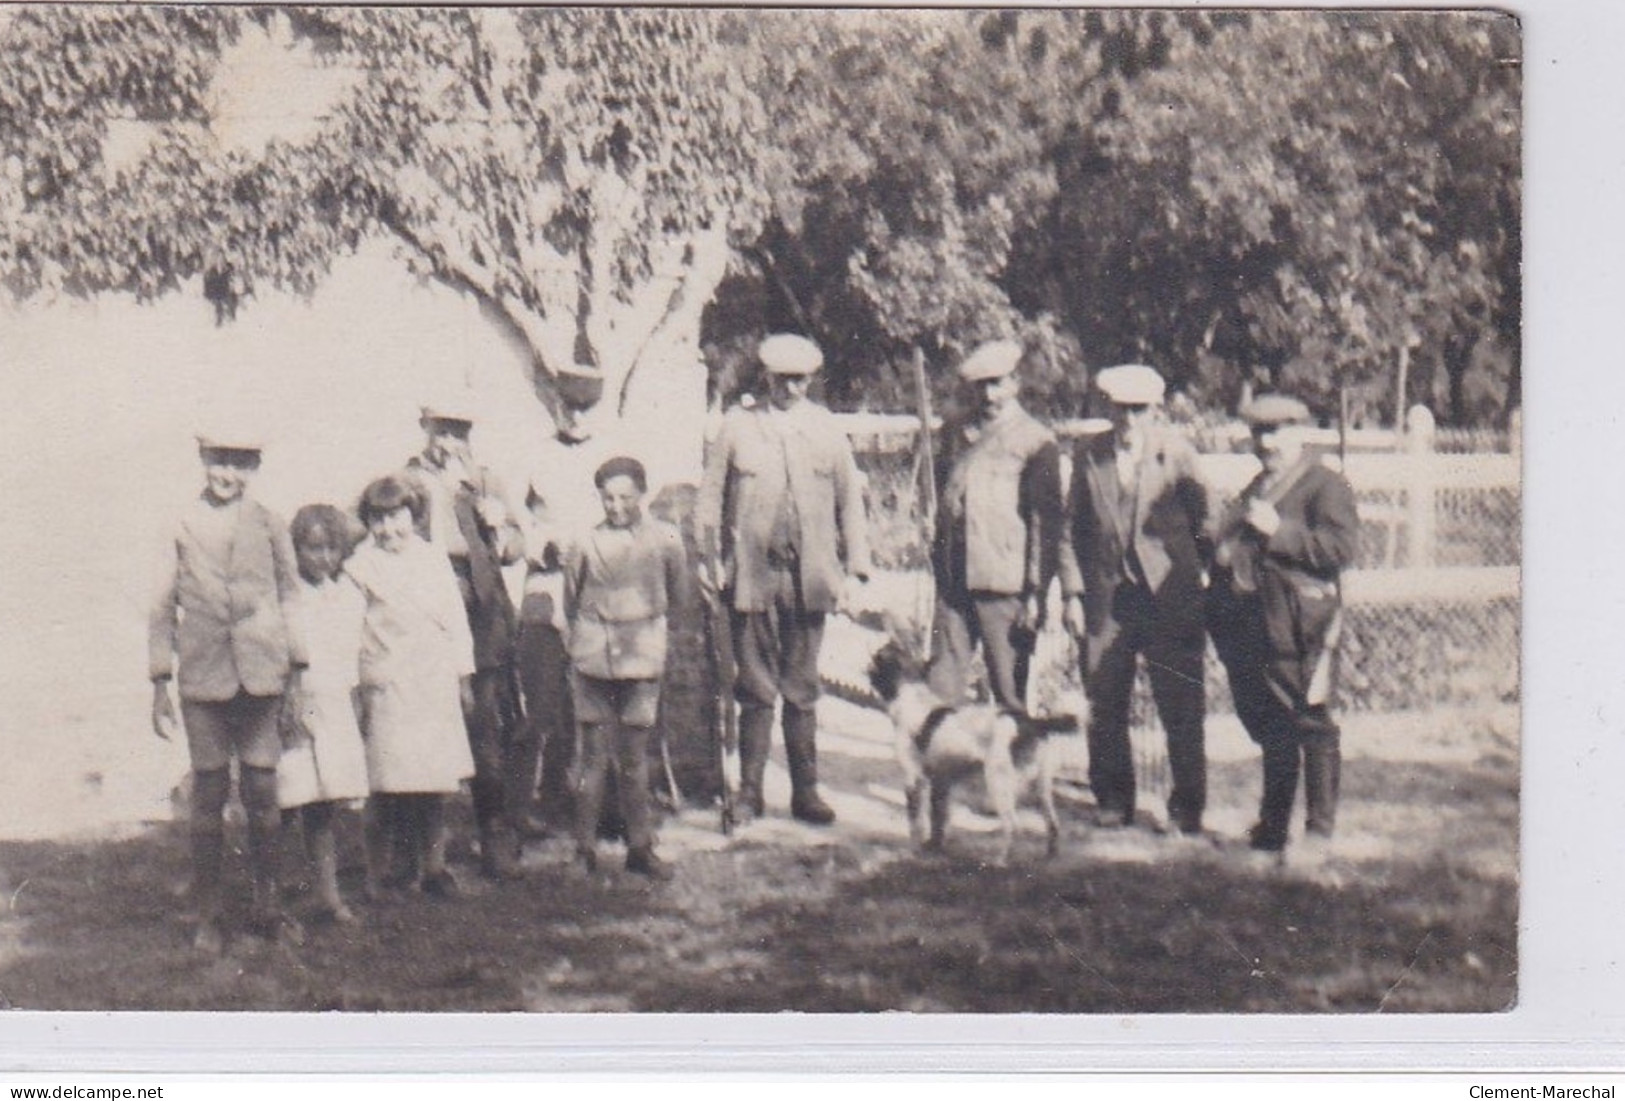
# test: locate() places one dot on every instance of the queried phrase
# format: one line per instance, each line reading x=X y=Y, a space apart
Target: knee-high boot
x=1322 y=775
x=801 y=751
x=258 y=789
x=208 y=839
x=755 y=737
x=499 y=846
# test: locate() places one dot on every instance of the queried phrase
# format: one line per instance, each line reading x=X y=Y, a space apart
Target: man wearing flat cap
x=1132 y=571
x=469 y=518
x=998 y=532
x=1275 y=615
x=782 y=530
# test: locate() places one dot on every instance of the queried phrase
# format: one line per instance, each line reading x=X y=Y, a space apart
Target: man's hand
x=165 y=722
x=1072 y=616
x=492 y=512
x=1032 y=613
x=1262 y=517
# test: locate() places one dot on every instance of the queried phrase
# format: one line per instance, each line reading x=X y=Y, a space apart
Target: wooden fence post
x=1421 y=490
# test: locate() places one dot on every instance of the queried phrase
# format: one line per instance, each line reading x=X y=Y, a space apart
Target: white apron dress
x=330 y=764
x=415 y=645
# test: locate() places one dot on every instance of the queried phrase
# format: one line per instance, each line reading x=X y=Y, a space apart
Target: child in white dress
x=324 y=765
x=417 y=658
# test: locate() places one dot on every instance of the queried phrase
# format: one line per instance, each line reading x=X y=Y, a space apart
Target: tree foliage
x=1281 y=197
x=1302 y=198
x=553 y=162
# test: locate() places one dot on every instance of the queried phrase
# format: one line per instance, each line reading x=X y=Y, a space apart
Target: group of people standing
x=1147 y=571
x=377 y=653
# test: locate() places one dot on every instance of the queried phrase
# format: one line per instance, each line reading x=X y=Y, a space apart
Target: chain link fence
x=1433 y=603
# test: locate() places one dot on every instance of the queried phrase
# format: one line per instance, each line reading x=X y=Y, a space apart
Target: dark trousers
x=607 y=746
x=992 y=619
x=550 y=735
x=1172 y=641
x=497 y=738
x=776 y=654
x=1292 y=738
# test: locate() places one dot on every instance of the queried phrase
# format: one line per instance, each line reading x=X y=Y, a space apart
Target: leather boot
x=800 y=747
x=643 y=861
x=1322 y=768
x=499 y=846
x=208 y=854
x=755 y=737
x=264 y=854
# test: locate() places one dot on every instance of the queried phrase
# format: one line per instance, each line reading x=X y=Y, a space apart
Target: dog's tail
x=1031 y=730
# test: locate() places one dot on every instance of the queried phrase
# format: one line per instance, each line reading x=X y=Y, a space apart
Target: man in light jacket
x=998 y=530
x=782 y=529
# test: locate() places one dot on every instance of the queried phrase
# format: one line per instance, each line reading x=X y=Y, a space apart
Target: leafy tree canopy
x=1298 y=198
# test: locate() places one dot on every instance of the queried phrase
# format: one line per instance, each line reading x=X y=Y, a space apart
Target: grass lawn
x=1415 y=910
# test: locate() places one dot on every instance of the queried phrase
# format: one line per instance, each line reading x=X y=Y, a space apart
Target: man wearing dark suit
x=1132 y=568
x=782 y=530
x=998 y=532
x=1275 y=615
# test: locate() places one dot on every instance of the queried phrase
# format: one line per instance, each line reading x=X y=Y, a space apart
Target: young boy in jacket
x=620 y=581
x=224 y=627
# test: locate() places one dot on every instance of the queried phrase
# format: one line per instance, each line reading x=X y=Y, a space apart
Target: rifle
x=925 y=479
x=726 y=728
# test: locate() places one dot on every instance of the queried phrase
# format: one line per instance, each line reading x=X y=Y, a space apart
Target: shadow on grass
x=848 y=924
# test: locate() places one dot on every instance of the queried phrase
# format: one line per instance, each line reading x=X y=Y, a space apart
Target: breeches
x=625 y=748
x=776 y=650
x=989 y=618
x=244 y=727
x=1292 y=739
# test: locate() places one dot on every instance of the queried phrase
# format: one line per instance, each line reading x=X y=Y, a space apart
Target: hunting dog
x=938 y=745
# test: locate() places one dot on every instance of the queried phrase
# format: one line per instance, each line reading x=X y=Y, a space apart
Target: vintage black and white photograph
x=718 y=510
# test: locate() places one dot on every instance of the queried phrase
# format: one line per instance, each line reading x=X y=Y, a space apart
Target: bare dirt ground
x=1415 y=909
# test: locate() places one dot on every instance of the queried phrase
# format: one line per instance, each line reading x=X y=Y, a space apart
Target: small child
x=324 y=764
x=223 y=625
x=619 y=582
x=417 y=661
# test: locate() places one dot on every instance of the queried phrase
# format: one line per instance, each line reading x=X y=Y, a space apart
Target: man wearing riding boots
x=782 y=533
x=468 y=517
x=1275 y=616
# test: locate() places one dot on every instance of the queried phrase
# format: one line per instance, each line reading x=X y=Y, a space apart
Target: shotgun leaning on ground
x=724 y=728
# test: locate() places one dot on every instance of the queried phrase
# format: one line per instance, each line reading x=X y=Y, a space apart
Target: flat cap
x=788 y=354
x=230 y=440
x=231 y=430
x=995 y=359
x=449 y=407
x=579 y=384
x=1274 y=410
x=1131 y=384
